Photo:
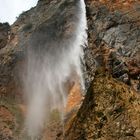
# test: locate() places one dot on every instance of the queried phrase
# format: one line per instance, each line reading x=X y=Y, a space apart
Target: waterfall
x=53 y=59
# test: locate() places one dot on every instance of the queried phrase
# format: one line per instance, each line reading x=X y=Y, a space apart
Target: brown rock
x=110 y=111
x=114 y=28
x=4 y=34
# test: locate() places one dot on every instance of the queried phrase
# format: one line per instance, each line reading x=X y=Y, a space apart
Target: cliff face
x=13 y=55
x=114 y=29
x=110 y=109
x=108 y=113
x=4 y=29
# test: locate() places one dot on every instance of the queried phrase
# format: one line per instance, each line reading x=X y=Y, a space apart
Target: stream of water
x=47 y=73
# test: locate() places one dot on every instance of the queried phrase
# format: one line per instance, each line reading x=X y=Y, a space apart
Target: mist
x=53 y=63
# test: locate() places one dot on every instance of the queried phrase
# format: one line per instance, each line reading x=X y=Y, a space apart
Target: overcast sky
x=10 y=9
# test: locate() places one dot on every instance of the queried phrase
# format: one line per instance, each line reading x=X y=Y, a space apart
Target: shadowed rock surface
x=114 y=39
x=4 y=33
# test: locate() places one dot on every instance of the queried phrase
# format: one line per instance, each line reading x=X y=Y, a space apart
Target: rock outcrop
x=110 y=111
x=114 y=39
x=4 y=34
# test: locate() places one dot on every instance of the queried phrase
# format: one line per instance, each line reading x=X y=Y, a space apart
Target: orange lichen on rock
x=74 y=98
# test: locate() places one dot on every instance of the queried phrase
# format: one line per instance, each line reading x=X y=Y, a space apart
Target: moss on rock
x=110 y=111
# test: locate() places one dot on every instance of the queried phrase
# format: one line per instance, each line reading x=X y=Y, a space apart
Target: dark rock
x=119 y=31
x=4 y=34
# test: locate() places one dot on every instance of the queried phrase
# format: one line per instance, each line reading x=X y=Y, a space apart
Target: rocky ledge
x=110 y=111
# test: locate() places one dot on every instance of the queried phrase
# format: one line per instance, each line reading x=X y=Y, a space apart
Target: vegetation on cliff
x=111 y=107
x=110 y=111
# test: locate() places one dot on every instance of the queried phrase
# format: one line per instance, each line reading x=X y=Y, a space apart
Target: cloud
x=10 y=9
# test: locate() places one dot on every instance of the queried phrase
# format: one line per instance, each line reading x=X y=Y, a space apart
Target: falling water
x=53 y=60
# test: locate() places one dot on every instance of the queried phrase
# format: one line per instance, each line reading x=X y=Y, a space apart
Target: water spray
x=53 y=58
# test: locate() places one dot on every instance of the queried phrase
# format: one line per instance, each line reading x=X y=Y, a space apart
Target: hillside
x=110 y=108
